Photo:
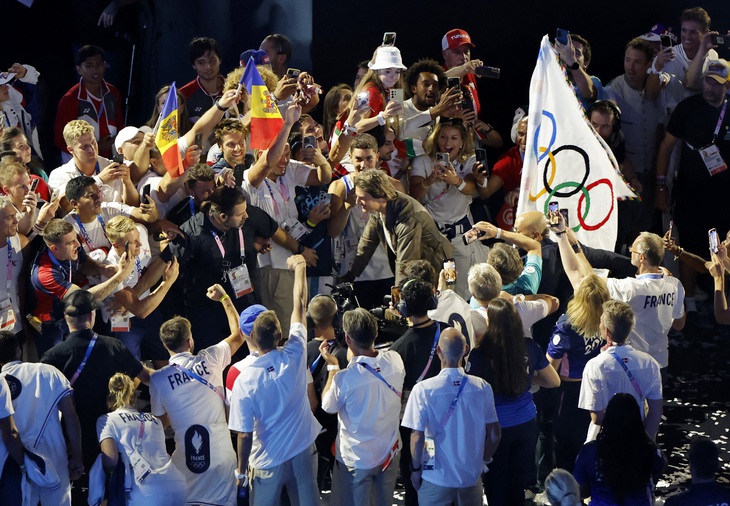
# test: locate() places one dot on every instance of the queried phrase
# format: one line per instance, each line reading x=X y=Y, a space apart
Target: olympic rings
x=550 y=116
x=532 y=197
x=585 y=194
x=598 y=225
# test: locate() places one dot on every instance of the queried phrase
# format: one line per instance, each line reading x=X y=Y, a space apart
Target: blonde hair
x=585 y=308
x=270 y=79
x=376 y=183
x=431 y=146
x=562 y=489
x=121 y=391
x=9 y=170
x=118 y=227
x=232 y=80
x=75 y=129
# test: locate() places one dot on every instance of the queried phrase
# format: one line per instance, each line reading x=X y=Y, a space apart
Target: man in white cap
x=703 y=124
x=134 y=145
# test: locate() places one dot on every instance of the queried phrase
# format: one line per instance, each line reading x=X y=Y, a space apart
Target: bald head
x=451 y=347
x=532 y=224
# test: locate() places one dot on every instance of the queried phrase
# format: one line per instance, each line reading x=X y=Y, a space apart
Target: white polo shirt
x=367 y=410
x=459 y=444
x=530 y=311
x=60 y=176
x=15 y=265
x=657 y=301
x=269 y=398
x=92 y=235
x=276 y=198
x=603 y=377
x=444 y=202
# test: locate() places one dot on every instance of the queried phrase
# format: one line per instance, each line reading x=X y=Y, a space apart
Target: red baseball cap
x=454 y=38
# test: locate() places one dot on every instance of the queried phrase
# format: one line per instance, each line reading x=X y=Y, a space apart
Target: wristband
x=347 y=129
x=484 y=183
x=461 y=185
x=381 y=118
x=220 y=107
x=560 y=233
x=241 y=476
x=310 y=224
x=499 y=233
x=576 y=247
x=226 y=296
x=332 y=367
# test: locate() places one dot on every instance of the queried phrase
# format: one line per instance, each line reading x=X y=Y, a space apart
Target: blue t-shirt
x=600 y=93
x=580 y=349
x=587 y=473
x=529 y=281
x=511 y=411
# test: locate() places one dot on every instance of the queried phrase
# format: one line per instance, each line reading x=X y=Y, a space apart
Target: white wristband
x=462 y=185
x=381 y=118
x=331 y=367
x=499 y=233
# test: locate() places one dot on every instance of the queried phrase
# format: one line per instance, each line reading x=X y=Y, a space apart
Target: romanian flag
x=265 y=117
x=167 y=133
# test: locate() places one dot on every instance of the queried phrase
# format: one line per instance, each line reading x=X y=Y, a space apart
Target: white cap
x=387 y=57
x=124 y=135
x=6 y=77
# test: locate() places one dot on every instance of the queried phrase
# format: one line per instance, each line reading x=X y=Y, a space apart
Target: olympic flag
x=566 y=160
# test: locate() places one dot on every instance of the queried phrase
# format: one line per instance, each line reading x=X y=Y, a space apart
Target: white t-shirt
x=60 y=176
x=92 y=234
x=6 y=410
x=459 y=445
x=203 y=450
x=367 y=410
x=269 y=399
x=276 y=198
x=417 y=124
x=455 y=311
x=444 y=202
x=123 y=426
x=530 y=311
x=657 y=301
x=37 y=389
x=15 y=263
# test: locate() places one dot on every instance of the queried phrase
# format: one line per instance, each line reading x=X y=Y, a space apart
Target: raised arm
x=268 y=159
x=531 y=246
x=298 y=264
x=218 y=293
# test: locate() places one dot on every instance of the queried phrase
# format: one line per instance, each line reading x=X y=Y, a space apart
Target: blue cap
x=248 y=316
x=260 y=57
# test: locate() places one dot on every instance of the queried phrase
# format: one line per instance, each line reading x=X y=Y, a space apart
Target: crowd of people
x=176 y=340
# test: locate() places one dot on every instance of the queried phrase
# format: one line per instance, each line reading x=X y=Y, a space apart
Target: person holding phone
x=446 y=189
x=575 y=51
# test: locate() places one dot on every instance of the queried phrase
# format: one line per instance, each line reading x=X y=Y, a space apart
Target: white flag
x=566 y=161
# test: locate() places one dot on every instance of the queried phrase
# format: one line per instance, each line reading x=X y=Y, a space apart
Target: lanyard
x=632 y=379
x=200 y=379
x=85 y=234
x=86 y=357
x=141 y=432
x=452 y=406
x=319 y=357
x=433 y=352
x=138 y=265
x=90 y=98
x=222 y=249
x=719 y=121
x=55 y=261
x=191 y=206
x=9 y=280
x=283 y=192
x=380 y=377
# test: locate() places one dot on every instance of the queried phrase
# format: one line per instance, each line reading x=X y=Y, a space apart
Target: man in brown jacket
x=400 y=222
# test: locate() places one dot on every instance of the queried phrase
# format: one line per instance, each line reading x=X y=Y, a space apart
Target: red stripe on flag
x=263 y=131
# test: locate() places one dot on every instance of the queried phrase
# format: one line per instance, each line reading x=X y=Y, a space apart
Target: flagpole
x=157 y=125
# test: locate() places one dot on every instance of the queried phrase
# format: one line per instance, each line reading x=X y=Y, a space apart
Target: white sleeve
x=422 y=166
x=6 y=404
x=416 y=415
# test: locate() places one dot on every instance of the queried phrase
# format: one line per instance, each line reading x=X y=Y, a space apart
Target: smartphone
x=467 y=105
x=394 y=295
x=443 y=157
x=472 y=235
x=714 y=241
x=553 y=207
x=490 y=72
x=310 y=141
x=238 y=173
x=665 y=41
x=453 y=82
x=450 y=271
x=34 y=183
x=199 y=139
x=671 y=226
x=481 y=156
x=564 y=212
x=717 y=40
x=325 y=198
x=561 y=35
x=146 y=189
x=54 y=194
x=397 y=95
x=363 y=98
x=126 y=248
x=118 y=158
x=293 y=73
x=389 y=39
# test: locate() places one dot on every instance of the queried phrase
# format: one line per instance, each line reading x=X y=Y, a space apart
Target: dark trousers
x=405 y=468
x=513 y=465
x=10 y=479
x=572 y=426
x=547 y=401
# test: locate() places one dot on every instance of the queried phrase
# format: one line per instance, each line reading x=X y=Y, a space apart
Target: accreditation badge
x=7 y=315
x=240 y=280
x=140 y=467
x=713 y=159
x=429 y=454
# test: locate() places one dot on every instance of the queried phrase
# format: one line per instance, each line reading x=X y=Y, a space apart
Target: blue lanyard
x=55 y=261
x=191 y=206
x=380 y=377
x=433 y=352
x=452 y=406
x=316 y=361
x=86 y=357
x=9 y=281
x=200 y=379
x=632 y=379
x=82 y=229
